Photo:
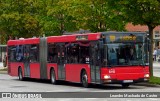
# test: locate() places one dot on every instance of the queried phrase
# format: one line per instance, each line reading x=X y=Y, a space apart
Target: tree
x=95 y=15
x=17 y=19
x=143 y=12
x=58 y=11
x=27 y=18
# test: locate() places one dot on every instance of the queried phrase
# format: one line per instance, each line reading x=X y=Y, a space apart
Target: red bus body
x=64 y=70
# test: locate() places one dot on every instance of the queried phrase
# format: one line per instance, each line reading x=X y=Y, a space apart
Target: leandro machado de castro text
x=134 y=95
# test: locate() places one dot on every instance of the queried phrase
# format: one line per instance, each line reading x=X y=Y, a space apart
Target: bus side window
x=73 y=53
x=63 y=53
x=19 y=53
x=12 y=54
x=58 y=53
x=34 y=53
x=84 y=54
x=52 y=53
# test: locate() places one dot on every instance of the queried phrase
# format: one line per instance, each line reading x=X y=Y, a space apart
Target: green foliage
x=27 y=18
x=62 y=21
x=154 y=80
x=144 y=12
x=95 y=15
x=17 y=19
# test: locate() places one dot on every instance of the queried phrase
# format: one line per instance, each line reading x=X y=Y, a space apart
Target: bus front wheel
x=20 y=74
x=84 y=79
x=53 y=76
x=125 y=85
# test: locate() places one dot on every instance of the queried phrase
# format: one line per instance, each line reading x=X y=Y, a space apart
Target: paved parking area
x=1 y=65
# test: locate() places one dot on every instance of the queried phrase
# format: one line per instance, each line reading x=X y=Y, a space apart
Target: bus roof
x=74 y=37
x=70 y=38
x=63 y=38
x=24 y=41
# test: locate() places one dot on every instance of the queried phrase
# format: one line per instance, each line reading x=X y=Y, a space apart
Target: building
x=140 y=28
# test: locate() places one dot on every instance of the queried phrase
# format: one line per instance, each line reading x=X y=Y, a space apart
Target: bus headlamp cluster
x=107 y=77
x=146 y=75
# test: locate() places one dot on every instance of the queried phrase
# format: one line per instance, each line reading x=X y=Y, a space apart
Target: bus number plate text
x=127 y=81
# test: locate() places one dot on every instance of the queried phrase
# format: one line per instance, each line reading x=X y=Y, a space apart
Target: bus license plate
x=127 y=81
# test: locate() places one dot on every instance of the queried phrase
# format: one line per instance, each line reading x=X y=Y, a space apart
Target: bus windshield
x=125 y=54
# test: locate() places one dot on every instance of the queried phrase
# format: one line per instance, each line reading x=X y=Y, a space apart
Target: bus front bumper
x=114 y=81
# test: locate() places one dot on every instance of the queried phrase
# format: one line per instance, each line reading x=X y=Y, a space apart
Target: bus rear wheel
x=20 y=76
x=53 y=77
x=84 y=79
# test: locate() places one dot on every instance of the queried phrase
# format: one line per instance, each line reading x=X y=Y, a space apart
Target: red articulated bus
x=100 y=58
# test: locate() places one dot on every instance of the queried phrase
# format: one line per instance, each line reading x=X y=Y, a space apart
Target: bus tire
x=84 y=79
x=20 y=76
x=53 y=77
x=125 y=85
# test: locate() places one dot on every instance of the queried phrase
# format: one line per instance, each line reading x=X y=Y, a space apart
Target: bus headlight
x=107 y=77
x=146 y=75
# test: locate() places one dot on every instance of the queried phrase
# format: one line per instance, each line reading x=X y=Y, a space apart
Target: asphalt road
x=12 y=84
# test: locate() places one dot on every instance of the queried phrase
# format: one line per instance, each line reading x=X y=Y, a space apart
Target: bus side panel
x=14 y=68
x=35 y=70
x=49 y=66
x=73 y=72
x=147 y=69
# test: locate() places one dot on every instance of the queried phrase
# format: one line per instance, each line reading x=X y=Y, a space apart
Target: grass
x=154 y=80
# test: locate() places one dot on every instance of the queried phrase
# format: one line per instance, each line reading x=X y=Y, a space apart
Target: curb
x=3 y=72
x=147 y=84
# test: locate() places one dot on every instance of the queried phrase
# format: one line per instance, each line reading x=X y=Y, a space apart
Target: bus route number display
x=114 y=38
x=128 y=38
x=82 y=37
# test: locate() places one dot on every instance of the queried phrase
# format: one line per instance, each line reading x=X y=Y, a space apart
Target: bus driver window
x=112 y=57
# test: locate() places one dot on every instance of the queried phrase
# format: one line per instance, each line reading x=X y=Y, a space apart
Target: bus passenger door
x=95 y=63
x=26 y=61
x=61 y=61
